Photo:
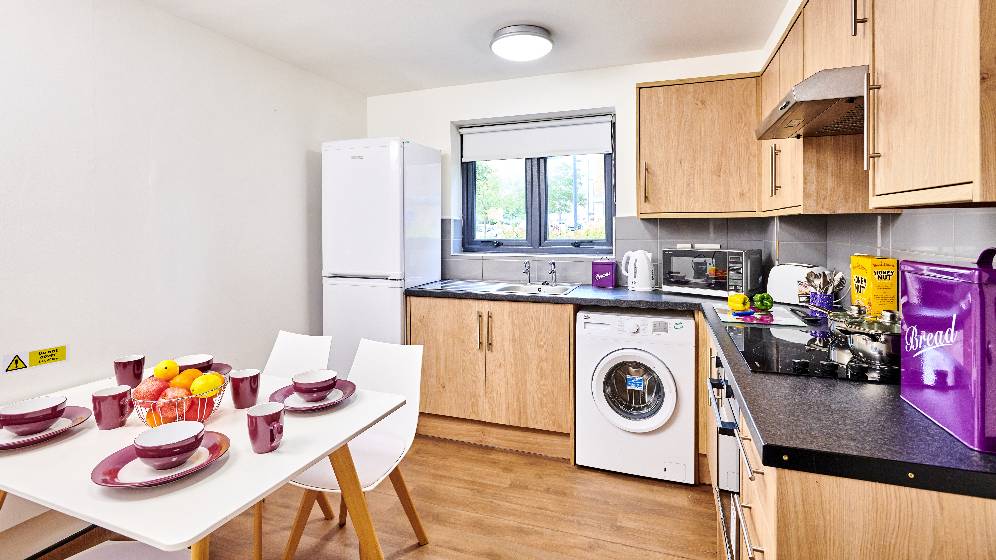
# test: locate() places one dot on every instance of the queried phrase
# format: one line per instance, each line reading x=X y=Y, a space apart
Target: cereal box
x=874 y=283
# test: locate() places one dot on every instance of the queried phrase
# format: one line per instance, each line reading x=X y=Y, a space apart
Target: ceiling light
x=521 y=43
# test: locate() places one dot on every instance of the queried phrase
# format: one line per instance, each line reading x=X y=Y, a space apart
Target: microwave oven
x=711 y=272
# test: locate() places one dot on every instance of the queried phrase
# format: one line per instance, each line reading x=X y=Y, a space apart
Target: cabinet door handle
x=490 y=334
x=869 y=124
x=646 y=189
x=480 y=327
x=855 y=20
x=774 y=169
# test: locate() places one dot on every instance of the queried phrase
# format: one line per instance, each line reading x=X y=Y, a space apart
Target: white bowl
x=36 y=404
x=195 y=361
x=169 y=434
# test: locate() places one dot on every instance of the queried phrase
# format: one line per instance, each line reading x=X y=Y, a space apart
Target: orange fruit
x=153 y=419
x=207 y=385
x=185 y=378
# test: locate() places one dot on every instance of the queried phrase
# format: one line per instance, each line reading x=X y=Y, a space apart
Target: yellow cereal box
x=874 y=283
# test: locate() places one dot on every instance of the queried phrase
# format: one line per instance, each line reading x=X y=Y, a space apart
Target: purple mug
x=128 y=369
x=266 y=426
x=244 y=385
x=112 y=406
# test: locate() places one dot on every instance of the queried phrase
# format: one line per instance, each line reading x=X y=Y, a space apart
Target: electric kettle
x=638 y=268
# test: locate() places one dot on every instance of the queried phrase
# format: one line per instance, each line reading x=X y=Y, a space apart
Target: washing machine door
x=634 y=390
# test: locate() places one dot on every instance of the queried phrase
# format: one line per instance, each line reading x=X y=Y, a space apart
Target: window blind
x=555 y=137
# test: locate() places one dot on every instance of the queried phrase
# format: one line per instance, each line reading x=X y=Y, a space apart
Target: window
x=559 y=203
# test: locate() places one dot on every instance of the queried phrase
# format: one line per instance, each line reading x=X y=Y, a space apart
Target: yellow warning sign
x=47 y=356
x=16 y=363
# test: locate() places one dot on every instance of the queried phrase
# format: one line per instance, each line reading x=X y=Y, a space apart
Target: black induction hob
x=805 y=351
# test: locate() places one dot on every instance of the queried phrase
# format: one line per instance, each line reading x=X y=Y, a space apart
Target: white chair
x=377 y=452
x=292 y=353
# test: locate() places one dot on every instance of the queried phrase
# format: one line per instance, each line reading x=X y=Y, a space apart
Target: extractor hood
x=828 y=103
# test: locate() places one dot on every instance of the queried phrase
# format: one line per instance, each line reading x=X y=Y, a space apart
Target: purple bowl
x=32 y=415
x=314 y=385
x=169 y=445
x=202 y=362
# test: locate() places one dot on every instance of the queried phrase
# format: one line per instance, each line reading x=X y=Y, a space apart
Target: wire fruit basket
x=197 y=407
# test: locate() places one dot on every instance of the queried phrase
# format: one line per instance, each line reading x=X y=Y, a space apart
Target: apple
x=168 y=408
x=199 y=409
x=149 y=390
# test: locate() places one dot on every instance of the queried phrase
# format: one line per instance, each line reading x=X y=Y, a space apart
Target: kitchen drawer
x=761 y=512
x=765 y=488
x=759 y=539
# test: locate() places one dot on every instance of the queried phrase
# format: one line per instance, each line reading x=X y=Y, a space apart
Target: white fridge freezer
x=381 y=233
x=359 y=308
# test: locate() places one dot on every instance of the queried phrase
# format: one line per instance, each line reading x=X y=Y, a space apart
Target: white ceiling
x=386 y=46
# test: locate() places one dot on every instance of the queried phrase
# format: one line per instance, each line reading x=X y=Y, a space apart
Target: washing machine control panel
x=641 y=326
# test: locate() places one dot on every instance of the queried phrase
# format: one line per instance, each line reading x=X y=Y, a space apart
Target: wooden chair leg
x=352 y=492
x=406 y=502
x=201 y=550
x=300 y=520
x=257 y=531
x=323 y=502
x=342 y=511
x=3 y=496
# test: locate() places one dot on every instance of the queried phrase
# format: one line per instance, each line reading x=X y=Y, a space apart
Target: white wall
x=426 y=116
x=159 y=190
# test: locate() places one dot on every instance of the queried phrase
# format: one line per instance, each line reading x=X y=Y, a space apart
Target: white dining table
x=184 y=513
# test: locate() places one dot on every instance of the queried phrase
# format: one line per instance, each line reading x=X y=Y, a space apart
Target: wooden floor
x=483 y=503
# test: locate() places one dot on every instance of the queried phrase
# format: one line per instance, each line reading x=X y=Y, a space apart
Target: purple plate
x=76 y=416
x=292 y=402
x=108 y=471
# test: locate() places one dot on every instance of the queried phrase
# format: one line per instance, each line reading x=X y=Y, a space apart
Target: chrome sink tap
x=553 y=272
x=525 y=270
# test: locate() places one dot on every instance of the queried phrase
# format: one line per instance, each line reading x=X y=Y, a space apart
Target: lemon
x=207 y=385
x=166 y=370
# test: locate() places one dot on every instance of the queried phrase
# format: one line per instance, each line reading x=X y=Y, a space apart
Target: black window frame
x=536 y=240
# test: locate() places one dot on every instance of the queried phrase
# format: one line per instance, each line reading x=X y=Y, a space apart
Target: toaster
x=787 y=282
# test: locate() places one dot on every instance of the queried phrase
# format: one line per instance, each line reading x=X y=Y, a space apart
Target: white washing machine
x=635 y=394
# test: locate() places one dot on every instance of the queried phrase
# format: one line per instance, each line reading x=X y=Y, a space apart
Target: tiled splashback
x=940 y=235
x=933 y=235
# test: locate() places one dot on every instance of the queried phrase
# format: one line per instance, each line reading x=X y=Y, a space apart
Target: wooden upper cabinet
x=834 y=35
x=529 y=365
x=790 y=58
x=696 y=145
x=933 y=120
x=452 y=333
x=769 y=87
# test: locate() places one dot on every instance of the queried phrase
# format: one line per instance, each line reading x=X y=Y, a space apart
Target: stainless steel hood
x=828 y=103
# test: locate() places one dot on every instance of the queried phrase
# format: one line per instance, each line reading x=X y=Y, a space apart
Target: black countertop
x=825 y=426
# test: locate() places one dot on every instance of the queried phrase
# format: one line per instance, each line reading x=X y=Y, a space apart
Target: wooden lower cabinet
x=795 y=515
x=502 y=362
x=452 y=333
x=528 y=365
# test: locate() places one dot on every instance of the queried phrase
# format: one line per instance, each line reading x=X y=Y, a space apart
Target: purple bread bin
x=949 y=347
x=603 y=274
